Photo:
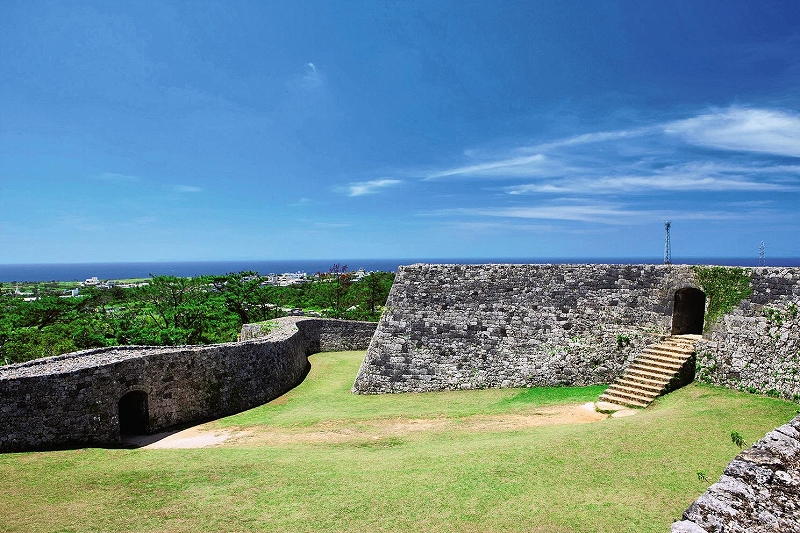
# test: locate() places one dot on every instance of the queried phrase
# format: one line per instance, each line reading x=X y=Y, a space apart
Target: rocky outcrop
x=759 y=491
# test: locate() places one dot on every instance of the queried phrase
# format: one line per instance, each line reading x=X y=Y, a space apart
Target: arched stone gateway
x=687 y=315
x=133 y=415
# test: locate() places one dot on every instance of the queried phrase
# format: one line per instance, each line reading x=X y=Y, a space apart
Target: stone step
x=668 y=354
x=644 y=386
x=668 y=364
x=622 y=401
x=650 y=373
x=664 y=366
x=672 y=346
x=685 y=338
x=681 y=340
x=632 y=376
x=625 y=399
x=654 y=373
x=620 y=387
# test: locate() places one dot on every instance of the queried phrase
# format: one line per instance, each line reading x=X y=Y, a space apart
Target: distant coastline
x=81 y=271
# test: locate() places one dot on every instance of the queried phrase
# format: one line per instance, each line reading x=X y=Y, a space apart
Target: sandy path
x=343 y=431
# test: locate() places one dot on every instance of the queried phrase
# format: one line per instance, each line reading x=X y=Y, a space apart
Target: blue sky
x=143 y=131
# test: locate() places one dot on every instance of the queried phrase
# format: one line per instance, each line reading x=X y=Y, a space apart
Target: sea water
x=106 y=271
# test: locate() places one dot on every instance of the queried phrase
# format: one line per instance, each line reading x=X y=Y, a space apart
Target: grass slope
x=634 y=474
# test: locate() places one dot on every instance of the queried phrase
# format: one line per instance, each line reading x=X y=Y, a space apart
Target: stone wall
x=74 y=398
x=758 y=492
x=756 y=347
x=477 y=326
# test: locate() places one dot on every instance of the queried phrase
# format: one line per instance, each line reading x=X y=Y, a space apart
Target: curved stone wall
x=74 y=398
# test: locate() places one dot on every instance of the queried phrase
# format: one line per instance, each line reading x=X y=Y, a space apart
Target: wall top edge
x=599 y=265
x=95 y=357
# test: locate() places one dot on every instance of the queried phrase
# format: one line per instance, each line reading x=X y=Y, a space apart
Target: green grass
x=633 y=474
x=326 y=396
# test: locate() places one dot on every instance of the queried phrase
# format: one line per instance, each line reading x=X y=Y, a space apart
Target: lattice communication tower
x=667 y=250
x=762 y=254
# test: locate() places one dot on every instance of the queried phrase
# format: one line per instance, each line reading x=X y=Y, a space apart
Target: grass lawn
x=634 y=474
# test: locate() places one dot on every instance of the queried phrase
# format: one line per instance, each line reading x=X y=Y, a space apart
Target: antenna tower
x=762 y=254
x=667 y=250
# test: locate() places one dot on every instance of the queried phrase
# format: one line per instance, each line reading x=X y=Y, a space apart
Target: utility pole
x=762 y=254
x=667 y=250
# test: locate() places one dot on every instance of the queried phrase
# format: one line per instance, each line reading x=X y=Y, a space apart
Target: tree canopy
x=170 y=311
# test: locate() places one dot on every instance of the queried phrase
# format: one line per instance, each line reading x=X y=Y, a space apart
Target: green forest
x=170 y=311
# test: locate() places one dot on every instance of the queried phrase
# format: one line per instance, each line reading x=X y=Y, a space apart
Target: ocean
x=105 y=271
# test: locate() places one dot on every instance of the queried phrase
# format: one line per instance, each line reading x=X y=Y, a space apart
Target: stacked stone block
x=478 y=326
x=73 y=399
x=756 y=347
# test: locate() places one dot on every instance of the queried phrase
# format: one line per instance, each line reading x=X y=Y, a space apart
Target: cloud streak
x=680 y=178
x=188 y=189
x=589 y=212
x=742 y=129
x=513 y=166
x=369 y=187
x=668 y=157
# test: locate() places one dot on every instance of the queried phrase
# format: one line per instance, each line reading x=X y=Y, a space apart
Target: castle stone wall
x=73 y=398
x=477 y=326
x=756 y=347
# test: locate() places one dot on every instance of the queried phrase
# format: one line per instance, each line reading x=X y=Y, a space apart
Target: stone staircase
x=661 y=367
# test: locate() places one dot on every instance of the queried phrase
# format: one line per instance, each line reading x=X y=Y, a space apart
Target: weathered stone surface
x=478 y=326
x=685 y=526
x=74 y=398
x=756 y=347
x=759 y=491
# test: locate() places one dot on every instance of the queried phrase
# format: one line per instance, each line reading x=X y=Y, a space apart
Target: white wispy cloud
x=592 y=212
x=644 y=185
x=596 y=137
x=615 y=158
x=583 y=212
x=369 y=187
x=310 y=82
x=767 y=131
x=544 y=159
x=692 y=176
x=525 y=165
x=302 y=202
x=186 y=188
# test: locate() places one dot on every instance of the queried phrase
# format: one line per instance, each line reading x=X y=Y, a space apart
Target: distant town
x=31 y=291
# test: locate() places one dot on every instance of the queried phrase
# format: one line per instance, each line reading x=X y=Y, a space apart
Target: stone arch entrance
x=133 y=415
x=687 y=315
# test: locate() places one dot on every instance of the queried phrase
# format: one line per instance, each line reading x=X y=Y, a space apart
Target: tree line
x=170 y=311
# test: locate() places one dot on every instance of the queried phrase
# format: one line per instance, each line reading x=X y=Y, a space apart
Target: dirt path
x=343 y=431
